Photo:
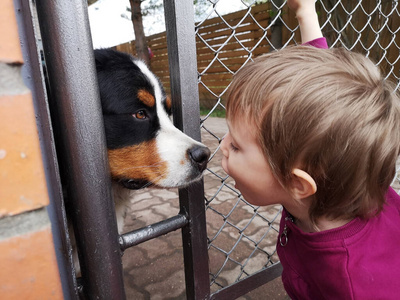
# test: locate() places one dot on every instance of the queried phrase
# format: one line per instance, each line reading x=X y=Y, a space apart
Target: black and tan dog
x=144 y=147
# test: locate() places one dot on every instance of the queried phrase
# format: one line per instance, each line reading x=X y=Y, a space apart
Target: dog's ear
x=99 y=57
x=109 y=59
x=168 y=105
x=106 y=57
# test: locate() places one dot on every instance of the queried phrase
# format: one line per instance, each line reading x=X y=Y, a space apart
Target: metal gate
x=76 y=122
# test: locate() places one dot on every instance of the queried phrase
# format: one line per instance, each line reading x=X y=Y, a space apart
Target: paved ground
x=154 y=269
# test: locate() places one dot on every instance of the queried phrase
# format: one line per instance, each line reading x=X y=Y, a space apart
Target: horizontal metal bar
x=248 y=284
x=152 y=231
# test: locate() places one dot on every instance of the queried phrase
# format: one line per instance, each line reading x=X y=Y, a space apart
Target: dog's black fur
x=144 y=148
x=136 y=110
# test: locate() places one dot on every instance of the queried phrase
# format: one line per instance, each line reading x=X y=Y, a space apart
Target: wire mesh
x=242 y=237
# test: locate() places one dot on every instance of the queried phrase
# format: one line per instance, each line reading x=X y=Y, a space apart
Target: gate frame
x=181 y=44
x=81 y=152
x=81 y=145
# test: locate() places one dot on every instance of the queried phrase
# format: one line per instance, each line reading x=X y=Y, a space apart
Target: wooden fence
x=222 y=50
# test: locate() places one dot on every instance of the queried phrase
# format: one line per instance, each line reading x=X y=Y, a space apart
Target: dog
x=144 y=148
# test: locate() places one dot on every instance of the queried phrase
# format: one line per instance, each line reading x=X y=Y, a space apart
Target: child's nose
x=224 y=147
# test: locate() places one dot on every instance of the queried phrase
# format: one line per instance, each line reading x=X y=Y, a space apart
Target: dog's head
x=144 y=147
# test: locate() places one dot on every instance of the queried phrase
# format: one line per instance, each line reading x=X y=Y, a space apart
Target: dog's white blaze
x=172 y=144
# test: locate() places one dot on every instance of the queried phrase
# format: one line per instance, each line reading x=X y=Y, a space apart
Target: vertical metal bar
x=179 y=17
x=75 y=98
x=33 y=77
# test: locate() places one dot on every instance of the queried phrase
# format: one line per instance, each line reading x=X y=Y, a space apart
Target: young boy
x=318 y=131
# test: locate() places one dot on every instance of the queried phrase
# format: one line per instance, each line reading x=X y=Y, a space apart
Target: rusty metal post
x=179 y=17
x=77 y=118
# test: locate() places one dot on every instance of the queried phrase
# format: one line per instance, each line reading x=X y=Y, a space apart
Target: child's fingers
x=301 y=5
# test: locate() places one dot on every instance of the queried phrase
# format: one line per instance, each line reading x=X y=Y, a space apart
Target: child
x=318 y=131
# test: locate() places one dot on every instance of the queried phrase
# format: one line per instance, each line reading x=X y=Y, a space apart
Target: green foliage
x=219 y=112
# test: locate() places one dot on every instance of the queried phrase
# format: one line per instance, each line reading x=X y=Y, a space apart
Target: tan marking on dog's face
x=168 y=102
x=137 y=162
x=146 y=98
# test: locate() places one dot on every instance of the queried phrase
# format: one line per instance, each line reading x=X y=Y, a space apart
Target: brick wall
x=28 y=267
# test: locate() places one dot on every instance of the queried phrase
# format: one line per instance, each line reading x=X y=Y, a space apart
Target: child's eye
x=233 y=147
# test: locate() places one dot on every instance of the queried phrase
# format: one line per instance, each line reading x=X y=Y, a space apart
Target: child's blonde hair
x=329 y=113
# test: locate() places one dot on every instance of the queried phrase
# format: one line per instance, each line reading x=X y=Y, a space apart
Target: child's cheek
x=224 y=165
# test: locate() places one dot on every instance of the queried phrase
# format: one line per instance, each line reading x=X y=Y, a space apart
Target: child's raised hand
x=307 y=17
x=302 y=7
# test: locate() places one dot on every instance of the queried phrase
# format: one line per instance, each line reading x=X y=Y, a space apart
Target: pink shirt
x=318 y=43
x=360 y=260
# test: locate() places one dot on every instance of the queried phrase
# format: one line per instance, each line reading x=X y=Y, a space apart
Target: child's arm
x=307 y=18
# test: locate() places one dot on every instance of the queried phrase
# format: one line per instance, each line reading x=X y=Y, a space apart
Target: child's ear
x=303 y=185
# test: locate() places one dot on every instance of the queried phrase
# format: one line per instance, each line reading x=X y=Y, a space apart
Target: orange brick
x=10 y=49
x=22 y=179
x=29 y=268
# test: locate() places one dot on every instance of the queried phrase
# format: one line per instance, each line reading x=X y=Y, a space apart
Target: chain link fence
x=242 y=237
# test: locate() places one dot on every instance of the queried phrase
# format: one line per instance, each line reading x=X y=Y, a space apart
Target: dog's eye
x=141 y=114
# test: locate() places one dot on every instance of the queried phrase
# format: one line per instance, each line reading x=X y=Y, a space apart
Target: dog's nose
x=199 y=155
